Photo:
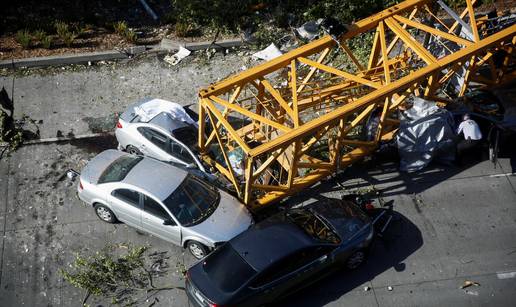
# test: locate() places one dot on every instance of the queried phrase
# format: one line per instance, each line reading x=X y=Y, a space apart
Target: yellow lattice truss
x=282 y=126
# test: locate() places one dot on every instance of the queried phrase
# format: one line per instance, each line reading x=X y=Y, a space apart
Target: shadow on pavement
x=401 y=239
x=97 y=144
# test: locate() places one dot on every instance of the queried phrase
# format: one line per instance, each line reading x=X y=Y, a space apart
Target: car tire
x=133 y=150
x=105 y=214
x=198 y=250
x=356 y=259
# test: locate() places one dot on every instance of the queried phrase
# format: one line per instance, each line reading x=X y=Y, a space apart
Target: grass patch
x=24 y=38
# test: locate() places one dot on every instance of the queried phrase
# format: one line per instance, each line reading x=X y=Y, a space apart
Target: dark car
x=282 y=254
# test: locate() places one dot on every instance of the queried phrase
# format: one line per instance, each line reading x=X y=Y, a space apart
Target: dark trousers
x=467 y=146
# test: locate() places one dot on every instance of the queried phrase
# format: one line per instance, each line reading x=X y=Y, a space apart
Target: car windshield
x=312 y=225
x=227 y=269
x=193 y=201
x=117 y=170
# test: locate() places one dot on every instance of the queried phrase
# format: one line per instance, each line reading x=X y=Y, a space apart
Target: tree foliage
x=117 y=276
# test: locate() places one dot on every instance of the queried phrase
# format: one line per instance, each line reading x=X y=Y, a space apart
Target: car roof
x=270 y=241
x=164 y=121
x=158 y=178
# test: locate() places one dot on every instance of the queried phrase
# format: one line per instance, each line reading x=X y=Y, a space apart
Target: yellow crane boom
x=282 y=126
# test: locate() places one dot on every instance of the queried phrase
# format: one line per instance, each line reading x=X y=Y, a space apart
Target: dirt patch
x=101 y=124
x=96 y=145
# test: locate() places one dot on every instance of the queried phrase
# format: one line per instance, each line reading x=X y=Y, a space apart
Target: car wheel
x=356 y=259
x=197 y=249
x=133 y=150
x=105 y=214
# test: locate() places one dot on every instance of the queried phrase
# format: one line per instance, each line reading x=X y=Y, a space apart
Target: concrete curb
x=81 y=58
x=63 y=139
x=168 y=44
x=165 y=46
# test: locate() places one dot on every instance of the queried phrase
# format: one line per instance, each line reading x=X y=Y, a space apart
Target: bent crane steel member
x=286 y=124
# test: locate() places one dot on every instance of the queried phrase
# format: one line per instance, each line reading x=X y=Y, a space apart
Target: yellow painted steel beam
x=337 y=99
x=361 y=26
x=268 y=162
x=309 y=76
x=462 y=15
x=293 y=85
x=385 y=55
x=383 y=92
x=249 y=114
x=200 y=133
x=375 y=50
x=420 y=26
x=227 y=126
x=340 y=73
x=410 y=41
x=221 y=144
x=352 y=56
x=277 y=96
x=472 y=21
x=395 y=39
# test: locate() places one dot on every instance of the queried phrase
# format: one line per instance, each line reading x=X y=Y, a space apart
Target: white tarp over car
x=150 y=109
x=426 y=132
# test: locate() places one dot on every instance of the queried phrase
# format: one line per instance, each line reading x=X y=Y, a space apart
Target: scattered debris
x=178 y=56
x=268 y=53
x=309 y=30
x=469 y=283
x=475 y=293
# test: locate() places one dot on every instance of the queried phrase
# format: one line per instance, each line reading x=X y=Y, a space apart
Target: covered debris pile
x=425 y=133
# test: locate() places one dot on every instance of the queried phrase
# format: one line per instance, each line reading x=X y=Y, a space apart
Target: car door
x=182 y=153
x=154 y=216
x=125 y=203
x=291 y=274
x=156 y=144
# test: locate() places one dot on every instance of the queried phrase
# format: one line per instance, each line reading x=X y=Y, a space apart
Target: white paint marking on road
x=506 y=275
x=501 y=175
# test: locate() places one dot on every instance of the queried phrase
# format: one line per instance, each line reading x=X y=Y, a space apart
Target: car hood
x=228 y=220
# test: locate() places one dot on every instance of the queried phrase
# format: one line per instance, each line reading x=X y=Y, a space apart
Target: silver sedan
x=159 y=129
x=162 y=200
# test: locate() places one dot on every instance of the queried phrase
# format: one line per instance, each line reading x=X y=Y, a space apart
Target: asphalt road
x=455 y=224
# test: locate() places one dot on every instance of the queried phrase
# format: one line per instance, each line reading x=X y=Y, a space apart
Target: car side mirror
x=169 y=222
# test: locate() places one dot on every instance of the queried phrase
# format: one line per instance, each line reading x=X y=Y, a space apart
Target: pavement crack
x=374 y=293
x=5 y=222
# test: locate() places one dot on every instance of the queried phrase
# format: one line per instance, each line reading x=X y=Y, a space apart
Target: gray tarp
x=426 y=132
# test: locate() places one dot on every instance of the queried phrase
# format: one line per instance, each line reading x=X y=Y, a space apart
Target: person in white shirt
x=472 y=136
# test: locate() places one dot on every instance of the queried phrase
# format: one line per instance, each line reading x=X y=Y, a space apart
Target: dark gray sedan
x=282 y=254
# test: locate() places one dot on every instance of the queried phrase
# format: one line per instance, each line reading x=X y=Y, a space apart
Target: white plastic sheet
x=268 y=53
x=150 y=109
x=178 y=56
x=426 y=132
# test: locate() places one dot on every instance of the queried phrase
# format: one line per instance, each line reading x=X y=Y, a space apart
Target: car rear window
x=187 y=135
x=117 y=170
x=313 y=225
x=227 y=269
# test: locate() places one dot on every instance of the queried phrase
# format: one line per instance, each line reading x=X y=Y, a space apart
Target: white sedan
x=162 y=130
